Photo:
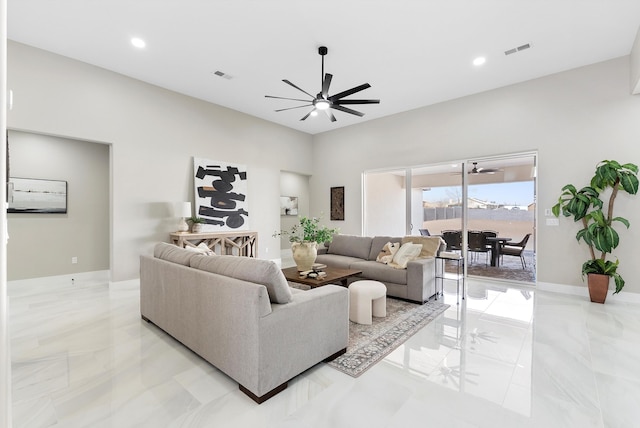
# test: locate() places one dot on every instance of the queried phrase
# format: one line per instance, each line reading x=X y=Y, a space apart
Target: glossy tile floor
x=508 y=357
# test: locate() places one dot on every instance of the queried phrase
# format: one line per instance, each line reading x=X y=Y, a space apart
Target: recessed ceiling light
x=138 y=42
x=314 y=113
x=479 y=61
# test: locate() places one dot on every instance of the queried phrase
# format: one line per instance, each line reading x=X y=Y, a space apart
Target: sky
x=516 y=193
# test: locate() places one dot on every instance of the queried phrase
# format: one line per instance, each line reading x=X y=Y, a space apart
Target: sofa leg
x=266 y=396
x=334 y=356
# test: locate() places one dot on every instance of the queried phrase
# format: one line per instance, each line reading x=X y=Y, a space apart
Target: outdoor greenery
x=308 y=230
x=586 y=206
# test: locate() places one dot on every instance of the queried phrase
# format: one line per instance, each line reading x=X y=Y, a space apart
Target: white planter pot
x=304 y=254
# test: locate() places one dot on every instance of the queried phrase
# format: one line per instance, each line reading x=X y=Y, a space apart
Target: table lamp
x=183 y=210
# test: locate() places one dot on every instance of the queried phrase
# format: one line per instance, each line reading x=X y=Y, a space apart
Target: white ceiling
x=413 y=52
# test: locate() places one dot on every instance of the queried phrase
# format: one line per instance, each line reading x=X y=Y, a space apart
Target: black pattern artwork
x=221 y=195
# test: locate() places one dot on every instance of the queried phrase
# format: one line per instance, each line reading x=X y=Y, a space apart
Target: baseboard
x=80 y=277
x=583 y=291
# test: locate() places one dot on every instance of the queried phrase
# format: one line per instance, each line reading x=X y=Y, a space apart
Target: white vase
x=304 y=254
x=196 y=228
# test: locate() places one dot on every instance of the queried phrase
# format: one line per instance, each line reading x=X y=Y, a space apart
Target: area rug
x=368 y=344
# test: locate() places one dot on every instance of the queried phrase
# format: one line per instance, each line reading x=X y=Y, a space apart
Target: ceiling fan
x=323 y=101
x=476 y=170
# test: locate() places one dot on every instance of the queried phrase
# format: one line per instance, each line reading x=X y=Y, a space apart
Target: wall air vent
x=517 y=49
x=223 y=75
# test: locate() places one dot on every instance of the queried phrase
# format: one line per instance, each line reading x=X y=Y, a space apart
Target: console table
x=240 y=243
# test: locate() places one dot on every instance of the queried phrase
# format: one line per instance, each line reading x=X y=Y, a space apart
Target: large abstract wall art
x=221 y=195
x=30 y=195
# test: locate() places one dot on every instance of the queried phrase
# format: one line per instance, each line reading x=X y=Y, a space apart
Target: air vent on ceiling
x=223 y=75
x=518 y=49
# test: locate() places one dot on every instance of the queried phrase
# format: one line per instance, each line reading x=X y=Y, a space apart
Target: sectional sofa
x=415 y=283
x=239 y=314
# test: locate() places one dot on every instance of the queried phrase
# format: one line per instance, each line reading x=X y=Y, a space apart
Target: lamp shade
x=183 y=209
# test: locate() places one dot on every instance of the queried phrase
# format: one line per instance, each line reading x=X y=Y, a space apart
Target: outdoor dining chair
x=516 y=249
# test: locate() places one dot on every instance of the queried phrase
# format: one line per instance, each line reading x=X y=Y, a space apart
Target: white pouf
x=367 y=298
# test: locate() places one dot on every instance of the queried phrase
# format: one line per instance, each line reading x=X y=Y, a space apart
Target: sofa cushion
x=378 y=243
x=172 y=253
x=379 y=272
x=430 y=244
x=337 y=261
x=265 y=272
x=351 y=245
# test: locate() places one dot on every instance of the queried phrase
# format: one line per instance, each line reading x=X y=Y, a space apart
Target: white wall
x=293 y=184
x=634 y=63
x=574 y=119
x=84 y=231
x=384 y=204
x=154 y=135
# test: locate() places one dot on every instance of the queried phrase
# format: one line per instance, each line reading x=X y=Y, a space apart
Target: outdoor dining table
x=496 y=242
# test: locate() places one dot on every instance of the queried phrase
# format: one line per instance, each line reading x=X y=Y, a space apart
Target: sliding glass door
x=493 y=197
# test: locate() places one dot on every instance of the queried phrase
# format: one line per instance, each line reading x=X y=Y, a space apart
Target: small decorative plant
x=196 y=220
x=308 y=230
x=585 y=205
x=196 y=224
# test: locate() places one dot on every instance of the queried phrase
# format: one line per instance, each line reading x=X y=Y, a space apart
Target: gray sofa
x=415 y=283
x=239 y=314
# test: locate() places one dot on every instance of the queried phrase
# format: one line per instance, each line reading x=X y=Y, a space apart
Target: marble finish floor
x=510 y=357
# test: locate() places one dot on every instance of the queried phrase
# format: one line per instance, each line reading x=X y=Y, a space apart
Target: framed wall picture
x=337 y=203
x=30 y=195
x=289 y=205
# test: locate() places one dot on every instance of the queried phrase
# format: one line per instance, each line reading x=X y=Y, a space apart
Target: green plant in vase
x=304 y=237
x=196 y=224
x=598 y=231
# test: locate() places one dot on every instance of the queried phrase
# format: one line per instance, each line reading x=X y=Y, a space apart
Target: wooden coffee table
x=333 y=276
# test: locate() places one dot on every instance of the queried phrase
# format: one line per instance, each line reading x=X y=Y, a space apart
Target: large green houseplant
x=585 y=205
x=304 y=237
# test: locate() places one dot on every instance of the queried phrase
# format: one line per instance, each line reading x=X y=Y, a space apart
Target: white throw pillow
x=407 y=252
x=387 y=253
x=202 y=248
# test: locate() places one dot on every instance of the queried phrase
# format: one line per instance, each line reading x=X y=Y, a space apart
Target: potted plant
x=597 y=230
x=196 y=224
x=304 y=237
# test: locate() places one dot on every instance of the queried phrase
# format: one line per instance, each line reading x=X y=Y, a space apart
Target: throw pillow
x=407 y=252
x=387 y=253
x=430 y=244
x=202 y=248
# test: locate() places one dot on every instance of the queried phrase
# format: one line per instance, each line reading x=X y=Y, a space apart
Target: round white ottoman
x=367 y=298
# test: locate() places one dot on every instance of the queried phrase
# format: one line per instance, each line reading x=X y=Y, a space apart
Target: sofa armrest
x=421 y=279
x=323 y=250
x=297 y=335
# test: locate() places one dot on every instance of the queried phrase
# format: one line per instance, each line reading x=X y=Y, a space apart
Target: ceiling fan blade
x=325 y=85
x=347 y=110
x=341 y=102
x=284 y=98
x=301 y=90
x=331 y=116
x=307 y=115
x=349 y=92
x=291 y=108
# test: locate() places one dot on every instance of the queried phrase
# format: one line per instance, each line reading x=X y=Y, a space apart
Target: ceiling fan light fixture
x=322 y=104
